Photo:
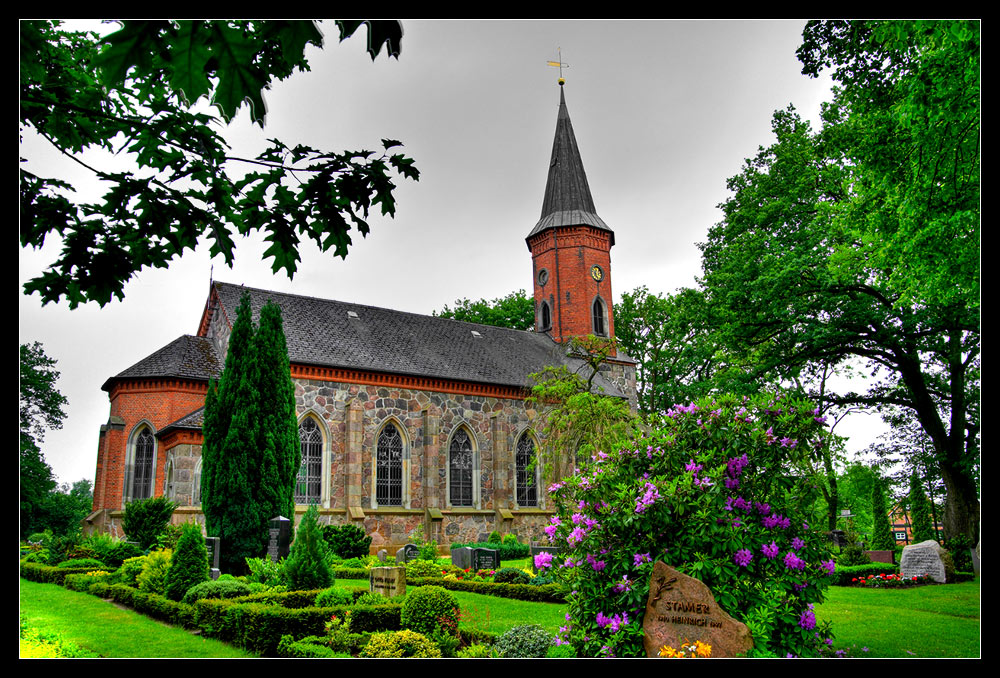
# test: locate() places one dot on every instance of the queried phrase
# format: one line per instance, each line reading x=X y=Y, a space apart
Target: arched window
x=461 y=469
x=389 y=467
x=600 y=324
x=309 y=483
x=142 y=466
x=526 y=471
x=546 y=316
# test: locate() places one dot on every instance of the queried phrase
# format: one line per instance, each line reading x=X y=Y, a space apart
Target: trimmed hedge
x=350 y=573
x=549 y=593
x=843 y=575
x=50 y=574
x=310 y=647
x=509 y=550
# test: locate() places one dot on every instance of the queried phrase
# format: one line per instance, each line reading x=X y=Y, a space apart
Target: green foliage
x=131 y=568
x=267 y=572
x=189 y=565
x=306 y=565
x=93 y=563
x=511 y=575
x=146 y=519
x=959 y=548
x=564 y=651
x=509 y=538
x=347 y=541
x=423 y=568
x=218 y=589
x=705 y=491
x=475 y=651
x=882 y=538
x=83 y=93
x=428 y=608
x=400 y=644
x=920 y=513
x=371 y=598
x=250 y=457
x=40 y=408
x=494 y=537
x=334 y=596
x=530 y=640
x=153 y=578
x=515 y=311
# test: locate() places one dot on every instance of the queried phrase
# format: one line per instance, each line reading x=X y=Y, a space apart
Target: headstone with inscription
x=462 y=557
x=212 y=545
x=485 y=559
x=407 y=553
x=681 y=609
x=279 y=535
x=389 y=581
x=926 y=558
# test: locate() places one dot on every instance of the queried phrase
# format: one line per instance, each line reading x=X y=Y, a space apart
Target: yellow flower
x=702 y=650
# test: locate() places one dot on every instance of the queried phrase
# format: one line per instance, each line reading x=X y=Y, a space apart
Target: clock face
x=543 y=276
x=596 y=273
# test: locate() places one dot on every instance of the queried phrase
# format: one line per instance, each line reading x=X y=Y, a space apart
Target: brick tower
x=570 y=247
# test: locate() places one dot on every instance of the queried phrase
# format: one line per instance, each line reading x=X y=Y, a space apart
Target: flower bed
x=890 y=581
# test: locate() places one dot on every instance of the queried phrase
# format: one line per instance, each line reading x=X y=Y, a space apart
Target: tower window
x=600 y=321
x=546 y=316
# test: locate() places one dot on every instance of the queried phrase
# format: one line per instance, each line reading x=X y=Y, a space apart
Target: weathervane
x=560 y=65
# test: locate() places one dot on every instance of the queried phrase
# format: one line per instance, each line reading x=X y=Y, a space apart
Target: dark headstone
x=880 y=556
x=682 y=609
x=407 y=553
x=838 y=538
x=462 y=557
x=535 y=550
x=485 y=559
x=389 y=581
x=214 y=573
x=279 y=536
x=212 y=544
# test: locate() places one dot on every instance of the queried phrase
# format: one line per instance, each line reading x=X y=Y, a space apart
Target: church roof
x=567 y=201
x=186 y=357
x=339 y=334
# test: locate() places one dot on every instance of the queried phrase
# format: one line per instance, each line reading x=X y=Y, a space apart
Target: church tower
x=570 y=247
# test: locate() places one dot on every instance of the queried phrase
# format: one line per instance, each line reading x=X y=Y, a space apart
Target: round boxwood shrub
x=371 y=598
x=334 y=596
x=423 y=568
x=400 y=644
x=189 y=564
x=231 y=588
x=494 y=537
x=428 y=608
x=530 y=640
x=511 y=575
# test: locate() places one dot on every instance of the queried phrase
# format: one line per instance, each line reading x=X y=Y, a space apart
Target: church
x=405 y=420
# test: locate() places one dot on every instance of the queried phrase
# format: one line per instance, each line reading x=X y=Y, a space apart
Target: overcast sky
x=664 y=113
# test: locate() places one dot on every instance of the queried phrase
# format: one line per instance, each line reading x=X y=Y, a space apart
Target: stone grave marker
x=212 y=544
x=838 y=538
x=280 y=535
x=535 y=550
x=681 y=609
x=926 y=558
x=389 y=581
x=485 y=559
x=407 y=553
x=382 y=555
x=880 y=556
x=462 y=557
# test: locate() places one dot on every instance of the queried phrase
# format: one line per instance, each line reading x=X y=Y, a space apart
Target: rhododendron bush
x=711 y=490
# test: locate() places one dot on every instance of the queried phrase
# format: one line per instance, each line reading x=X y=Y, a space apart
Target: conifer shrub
x=703 y=491
x=428 y=608
x=494 y=537
x=189 y=564
x=347 y=541
x=920 y=512
x=882 y=539
x=219 y=589
x=400 y=644
x=306 y=566
x=529 y=640
x=153 y=578
x=81 y=562
x=146 y=519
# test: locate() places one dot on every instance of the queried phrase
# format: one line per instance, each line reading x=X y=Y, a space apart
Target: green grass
x=928 y=621
x=99 y=626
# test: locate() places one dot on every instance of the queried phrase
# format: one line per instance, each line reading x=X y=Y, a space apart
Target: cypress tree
x=920 y=512
x=882 y=538
x=230 y=463
x=189 y=563
x=306 y=564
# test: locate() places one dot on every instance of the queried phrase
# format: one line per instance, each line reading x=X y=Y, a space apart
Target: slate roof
x=191 y=420
x=567 y=201
x=186 y=357
x=322 y=332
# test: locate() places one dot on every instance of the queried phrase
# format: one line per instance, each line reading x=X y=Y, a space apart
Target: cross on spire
x=560 y=65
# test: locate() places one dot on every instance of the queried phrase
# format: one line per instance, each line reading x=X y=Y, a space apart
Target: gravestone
x=389 y=581
x=880 y=556
x=681 y=609
x=535 y=550
x=926 y=558
x=838 y=538
x=485 y=559
x=974 y=554
x=279 y=536
x=382 y=555
x=407 y=553
x=462 y=557
x=212 y=545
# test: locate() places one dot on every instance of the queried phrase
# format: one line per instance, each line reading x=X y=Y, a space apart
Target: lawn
x=112 y=632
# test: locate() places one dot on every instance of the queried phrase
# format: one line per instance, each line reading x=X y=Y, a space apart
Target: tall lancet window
x=600 y=325
x=389 y=467
x=308 y=485
x=526 y=472
x=460 y=463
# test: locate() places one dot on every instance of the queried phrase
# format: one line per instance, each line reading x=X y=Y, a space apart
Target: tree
x=780 y=269
x=189 y=563
x=40 y=408
x=882 y=538
x=146 y=519
x=65 y=506
x=306 y=564
x=516 y=311
x=920 y=513
x=250 y=455
x=133 y=91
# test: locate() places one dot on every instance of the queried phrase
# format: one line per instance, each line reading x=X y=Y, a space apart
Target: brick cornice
x=158 y=385
x=181 y=437
x=371 y=378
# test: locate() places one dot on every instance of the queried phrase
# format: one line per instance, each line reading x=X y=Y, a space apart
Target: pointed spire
x=567 y=201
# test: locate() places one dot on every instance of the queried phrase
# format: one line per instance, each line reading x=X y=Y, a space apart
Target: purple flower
x=743 y=557
x=788 y=442
x=576 y=536
x=578 y=518
x=770 y=550
x=543 y=560
x=797 y=544
x=640 y=558
x=762 y=509
x=602 y=620
x=793 y=562
x=741 y=504
x=692 y=466
x=808 y=620
x=829 y=566
x=650 y=495
x=624 y=585
x=731 y=483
